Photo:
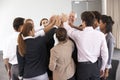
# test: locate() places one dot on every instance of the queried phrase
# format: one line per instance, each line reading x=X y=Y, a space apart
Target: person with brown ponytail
x=33 y=59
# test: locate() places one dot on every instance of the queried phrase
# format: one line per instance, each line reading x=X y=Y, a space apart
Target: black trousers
x=88 y=71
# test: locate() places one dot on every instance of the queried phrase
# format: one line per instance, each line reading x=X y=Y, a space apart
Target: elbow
x=51 y=67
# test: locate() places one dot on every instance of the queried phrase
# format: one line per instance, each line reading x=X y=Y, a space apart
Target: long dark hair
x=27 y=27
x=109 y=22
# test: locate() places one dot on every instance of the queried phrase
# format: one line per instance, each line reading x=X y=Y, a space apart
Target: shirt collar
x=28 y=37
x=56 y=26
x=97 y=28
x=88 y=28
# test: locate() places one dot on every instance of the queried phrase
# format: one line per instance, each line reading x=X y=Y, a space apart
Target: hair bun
x=110 y=19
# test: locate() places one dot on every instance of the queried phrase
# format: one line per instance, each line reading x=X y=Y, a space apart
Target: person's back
x=36 y=57
x=90 y=45
x=61 y=62
x=32 y=52
x=90 y=42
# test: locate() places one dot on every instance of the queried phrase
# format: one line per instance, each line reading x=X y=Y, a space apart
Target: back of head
x=29 y=21
x=111 y=20
x=61 y=34
x=27 y=27
x=18 y=22
x=97 y=15
x=88 y=17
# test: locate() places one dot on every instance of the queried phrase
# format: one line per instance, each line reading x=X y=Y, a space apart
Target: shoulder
x=52 y=30
x=53 y=51
x=110 y=37
x=70 y=42
x=99 y=33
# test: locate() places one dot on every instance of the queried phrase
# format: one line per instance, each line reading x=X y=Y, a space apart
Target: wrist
x=8 y=70
x=106 y=70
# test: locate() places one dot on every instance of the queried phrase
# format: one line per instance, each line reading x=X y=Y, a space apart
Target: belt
x=87 y=62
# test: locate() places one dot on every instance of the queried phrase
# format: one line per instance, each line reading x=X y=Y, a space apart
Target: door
x=85 y=5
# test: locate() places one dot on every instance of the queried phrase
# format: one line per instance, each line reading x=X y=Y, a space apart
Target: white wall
x=104 y=7
x=34 y=9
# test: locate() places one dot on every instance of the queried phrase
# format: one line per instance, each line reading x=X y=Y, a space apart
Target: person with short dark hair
x=97 y=20
x=9 y=54
x=61 y=61
x=90 y=45
x=106 y=24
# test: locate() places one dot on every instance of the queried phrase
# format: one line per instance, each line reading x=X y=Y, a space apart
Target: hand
x=106 y=73
x=64 y=17
x=9 y=74
x=101 y=73
x=58 y=21
x=52 y=19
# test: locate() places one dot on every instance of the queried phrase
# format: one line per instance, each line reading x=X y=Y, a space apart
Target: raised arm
x=41 y=32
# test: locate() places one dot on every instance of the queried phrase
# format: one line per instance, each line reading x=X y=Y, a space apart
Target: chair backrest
x=112 y=74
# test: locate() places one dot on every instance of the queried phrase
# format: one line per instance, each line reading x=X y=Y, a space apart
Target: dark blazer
x=35 y=61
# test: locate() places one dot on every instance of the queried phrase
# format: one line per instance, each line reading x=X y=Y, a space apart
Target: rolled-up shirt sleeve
x=70 y=31
x=39 y=33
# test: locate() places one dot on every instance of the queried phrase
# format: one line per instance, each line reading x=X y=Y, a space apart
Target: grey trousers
x=14 y=72
x=40 y=77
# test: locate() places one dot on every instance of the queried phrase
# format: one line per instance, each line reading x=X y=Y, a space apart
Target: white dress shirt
x=97 y=28
x=90 y=44
x=10 y=48
x=55 y=38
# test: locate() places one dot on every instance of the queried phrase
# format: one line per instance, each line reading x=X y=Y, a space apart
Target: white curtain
x=113 y=10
